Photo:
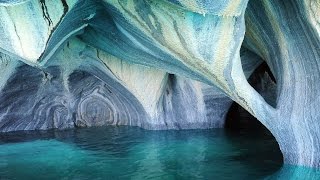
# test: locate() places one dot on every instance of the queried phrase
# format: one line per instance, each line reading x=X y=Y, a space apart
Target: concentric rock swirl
x=163 y=64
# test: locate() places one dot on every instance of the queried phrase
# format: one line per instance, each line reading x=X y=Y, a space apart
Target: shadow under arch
x=262 y=149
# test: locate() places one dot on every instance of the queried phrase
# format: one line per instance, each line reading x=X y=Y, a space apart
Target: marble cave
x=164 y=65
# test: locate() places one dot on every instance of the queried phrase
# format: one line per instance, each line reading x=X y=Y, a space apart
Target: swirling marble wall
x=93 y=88
x=162 y=64
x=285 y=34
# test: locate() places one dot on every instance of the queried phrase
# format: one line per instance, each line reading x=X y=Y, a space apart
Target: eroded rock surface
x=94 y=89
x=162 y=64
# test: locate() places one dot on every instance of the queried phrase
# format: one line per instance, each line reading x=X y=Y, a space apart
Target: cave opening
x=263 y=81
x=241 y=123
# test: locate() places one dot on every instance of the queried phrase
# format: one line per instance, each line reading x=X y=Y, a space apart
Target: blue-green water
x=133 y=153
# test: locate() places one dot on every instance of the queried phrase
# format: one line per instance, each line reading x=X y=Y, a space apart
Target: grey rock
x=168 y=64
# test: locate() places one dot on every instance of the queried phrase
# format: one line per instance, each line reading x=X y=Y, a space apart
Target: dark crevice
x=255 y=78
x=45 y=12
x=264 y=82
x=65 y=7
x=65 y=11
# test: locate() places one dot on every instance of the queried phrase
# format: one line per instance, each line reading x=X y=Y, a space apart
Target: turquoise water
x=133 y=153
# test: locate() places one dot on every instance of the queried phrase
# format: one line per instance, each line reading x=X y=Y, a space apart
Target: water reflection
x=296 y=172
x=129 y=152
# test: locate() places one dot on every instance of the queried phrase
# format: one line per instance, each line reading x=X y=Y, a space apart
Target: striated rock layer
x=93 y=89
x=162 y=64
x=292 y=50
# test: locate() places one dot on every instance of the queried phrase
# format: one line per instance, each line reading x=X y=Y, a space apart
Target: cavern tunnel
x=240 y=122
x=159 y=88
x=263 y=82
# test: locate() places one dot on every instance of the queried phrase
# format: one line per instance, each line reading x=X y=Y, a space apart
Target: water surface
x=131 y=152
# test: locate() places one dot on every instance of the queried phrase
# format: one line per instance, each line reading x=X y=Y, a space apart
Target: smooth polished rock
x=93 y=88
x=48 y=72
x=291 y=49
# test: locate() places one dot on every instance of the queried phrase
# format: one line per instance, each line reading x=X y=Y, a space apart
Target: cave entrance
x=238 y=119
x=250 y=132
